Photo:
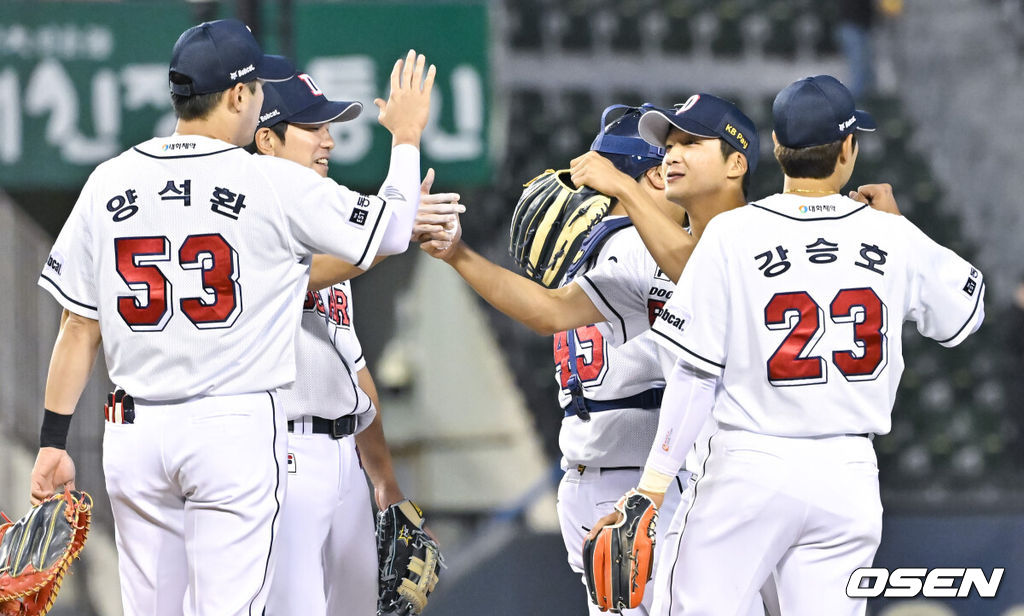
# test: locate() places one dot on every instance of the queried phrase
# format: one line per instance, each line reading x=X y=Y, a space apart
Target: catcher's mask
x=552 y=219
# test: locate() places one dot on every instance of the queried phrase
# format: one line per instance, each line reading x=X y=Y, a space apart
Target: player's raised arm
x=405 y=115
x=669 y=243
x=435 y=213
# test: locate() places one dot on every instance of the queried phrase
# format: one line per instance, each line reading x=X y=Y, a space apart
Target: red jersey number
x=792 y=364
x=135 y=257
x=589 y=341
x=218 y=262
x=211 y=254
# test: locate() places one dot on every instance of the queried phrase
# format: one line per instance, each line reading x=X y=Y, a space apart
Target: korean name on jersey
x=190 y=253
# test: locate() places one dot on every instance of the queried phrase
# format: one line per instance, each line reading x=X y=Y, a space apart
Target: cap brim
x=865 y=121
x=655 y=125
x=275 y=68
x=328 y=111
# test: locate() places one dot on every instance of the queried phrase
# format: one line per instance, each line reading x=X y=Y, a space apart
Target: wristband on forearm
x=655 y=482
x=54 y=432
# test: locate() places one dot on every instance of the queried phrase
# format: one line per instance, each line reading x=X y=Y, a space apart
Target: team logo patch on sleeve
x=970 y=286
x=361 y=209
x=358 y=216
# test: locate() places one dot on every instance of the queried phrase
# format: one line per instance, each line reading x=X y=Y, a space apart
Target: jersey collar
x=803 y=208
x=183 y=146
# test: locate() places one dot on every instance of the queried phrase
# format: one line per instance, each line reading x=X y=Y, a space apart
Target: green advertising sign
x=80 y=82
x=350 y=48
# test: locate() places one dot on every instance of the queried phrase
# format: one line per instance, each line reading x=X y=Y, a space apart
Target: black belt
x=650 y=399
x=337 y=428
x=580 y=468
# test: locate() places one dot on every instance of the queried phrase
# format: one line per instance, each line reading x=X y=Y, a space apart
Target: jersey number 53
x=793 y=364
x=211 y=254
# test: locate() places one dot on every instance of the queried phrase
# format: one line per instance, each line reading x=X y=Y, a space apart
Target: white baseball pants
x=806 y=509
x=327 y=558
x=196 y=491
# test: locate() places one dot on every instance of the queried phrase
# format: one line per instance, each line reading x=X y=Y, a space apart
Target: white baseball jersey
x=189 y=251
x=627 y=286
x=328 y=356
x=609 y=369
x=798 y=304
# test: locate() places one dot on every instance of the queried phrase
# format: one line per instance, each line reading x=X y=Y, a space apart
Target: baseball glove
x=618 y=562
x=549 y=224
x=409 y=560
x=37 y=550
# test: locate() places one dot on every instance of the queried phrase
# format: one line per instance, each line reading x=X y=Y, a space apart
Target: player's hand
x=611 y=519
x=53 y=470
x=444 y=245
x=878 y=196
x=407 y=109
x=437 y=214
x=599 y=173
x=615 y=517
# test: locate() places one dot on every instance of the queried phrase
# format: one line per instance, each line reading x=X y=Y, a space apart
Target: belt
x=650 y=399
x=580 y=468
x=336 y=428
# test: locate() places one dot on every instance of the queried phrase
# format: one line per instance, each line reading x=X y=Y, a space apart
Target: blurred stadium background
x=468 y=395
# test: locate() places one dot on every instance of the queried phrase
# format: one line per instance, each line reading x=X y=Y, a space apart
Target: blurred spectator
x=853 y=33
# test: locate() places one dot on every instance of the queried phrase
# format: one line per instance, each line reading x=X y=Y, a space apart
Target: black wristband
x=54 y=432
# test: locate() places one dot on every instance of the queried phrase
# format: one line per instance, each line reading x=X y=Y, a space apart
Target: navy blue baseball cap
x=815 y=111
x=621 y=138
x=300 y=101
x=216 y=55
x=705 y=115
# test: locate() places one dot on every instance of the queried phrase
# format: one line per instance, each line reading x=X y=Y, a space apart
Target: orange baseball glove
x=37 y=550
x=618 y=562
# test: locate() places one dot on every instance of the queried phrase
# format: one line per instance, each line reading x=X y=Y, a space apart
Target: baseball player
x=327 y=528
x=183 y=256
x=793 y=340
x=608 y=389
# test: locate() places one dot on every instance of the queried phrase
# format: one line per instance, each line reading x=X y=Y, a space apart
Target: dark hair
x=278 y=129
x=815 y=162
x=727 y=150
x=196 y=106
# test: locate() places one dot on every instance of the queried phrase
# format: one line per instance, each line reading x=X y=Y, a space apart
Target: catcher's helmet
x=552 y=219
x=621 y=143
